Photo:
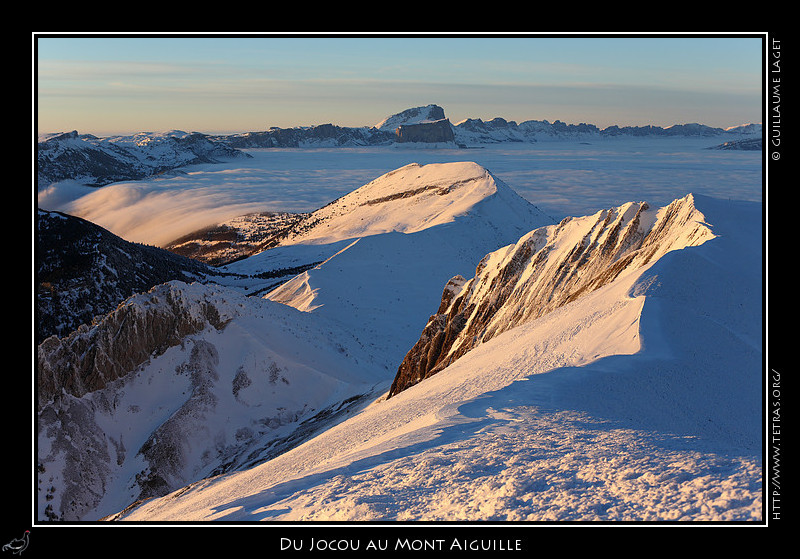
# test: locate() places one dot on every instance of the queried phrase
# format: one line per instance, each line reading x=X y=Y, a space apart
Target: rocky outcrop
x=81 y=379
x=149 y=323
x=184 y=382
x=548 y=268
x=83 y=452
x=438 y=131
x=167 y=449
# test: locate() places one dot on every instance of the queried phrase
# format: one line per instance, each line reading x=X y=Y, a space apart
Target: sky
x=105 y=85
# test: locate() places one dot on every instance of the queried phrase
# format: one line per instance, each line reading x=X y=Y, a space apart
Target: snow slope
x=226 y=395
x=383 y=252
x=638 y=401
x=417 y=197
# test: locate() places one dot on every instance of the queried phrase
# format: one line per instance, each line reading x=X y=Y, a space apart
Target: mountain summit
x=417 y=197
x=415 y=115
x=393 y=243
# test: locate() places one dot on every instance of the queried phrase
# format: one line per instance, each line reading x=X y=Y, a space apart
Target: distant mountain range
x=87 y=159
x=94 y=161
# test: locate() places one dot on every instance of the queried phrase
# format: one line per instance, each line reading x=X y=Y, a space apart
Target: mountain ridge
x=545 y=269
x=390 y=244
x=83 y=270
x=94 y=161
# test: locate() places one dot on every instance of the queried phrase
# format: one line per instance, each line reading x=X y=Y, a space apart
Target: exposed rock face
x=81 y=377
x=167 y=449
x=81 y=446
x=178 y=384
x=150 y=323
x=79 y=459
x=549 y=267
x=426 y=132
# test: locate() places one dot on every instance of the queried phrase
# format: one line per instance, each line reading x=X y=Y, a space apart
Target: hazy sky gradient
x=223 y=84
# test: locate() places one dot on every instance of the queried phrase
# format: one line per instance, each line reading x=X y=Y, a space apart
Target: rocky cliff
x=80 y=379
x=148 y=323
x=548 y=268
x=181 y=383
x=438 y=131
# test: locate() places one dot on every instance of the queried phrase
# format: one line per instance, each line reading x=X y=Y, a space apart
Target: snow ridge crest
x=405 y=200
x=547 y=268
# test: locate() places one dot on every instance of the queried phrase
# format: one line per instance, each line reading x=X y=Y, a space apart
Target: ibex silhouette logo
x=18 y=545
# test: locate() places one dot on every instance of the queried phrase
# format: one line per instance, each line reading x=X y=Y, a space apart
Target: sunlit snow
x=639 y=401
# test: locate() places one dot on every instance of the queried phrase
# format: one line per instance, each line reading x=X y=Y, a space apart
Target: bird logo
x=18 y=545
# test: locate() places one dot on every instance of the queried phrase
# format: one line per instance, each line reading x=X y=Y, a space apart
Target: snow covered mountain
x=187 y=381
x=180 y=383
x=94 y=161
x=414 y=115
x=389 y=246
x=604 y=367
x=637 y=401
x=417 y=197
